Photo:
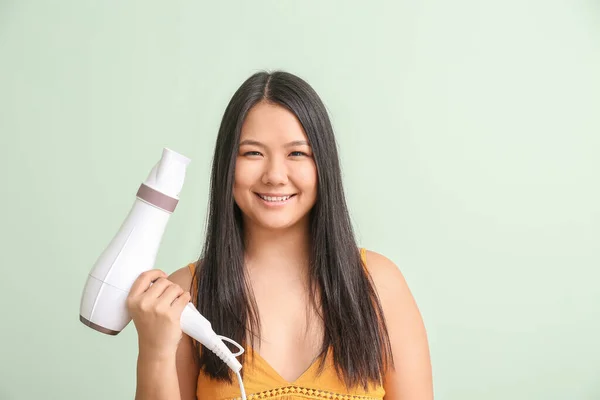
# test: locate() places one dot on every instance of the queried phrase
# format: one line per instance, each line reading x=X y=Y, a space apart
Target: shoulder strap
x=363 y=257
x=192 y=269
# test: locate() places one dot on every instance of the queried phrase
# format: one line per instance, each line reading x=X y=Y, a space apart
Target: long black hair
x=352 y=316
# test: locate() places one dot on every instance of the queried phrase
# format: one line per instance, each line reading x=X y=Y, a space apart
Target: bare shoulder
x=391 y=286
x=182 y=277
x=411 y=377
x=386 y=275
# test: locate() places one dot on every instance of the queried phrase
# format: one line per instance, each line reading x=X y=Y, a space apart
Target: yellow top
x=261 y=381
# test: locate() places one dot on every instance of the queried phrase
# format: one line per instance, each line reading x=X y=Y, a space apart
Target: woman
x=281 y=273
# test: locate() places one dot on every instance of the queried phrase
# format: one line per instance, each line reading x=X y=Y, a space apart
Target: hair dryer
x=133 y=251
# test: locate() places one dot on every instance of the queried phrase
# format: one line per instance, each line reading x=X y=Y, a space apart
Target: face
x=275 y=174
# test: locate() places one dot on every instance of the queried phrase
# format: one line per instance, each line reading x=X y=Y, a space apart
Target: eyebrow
x=290 y=144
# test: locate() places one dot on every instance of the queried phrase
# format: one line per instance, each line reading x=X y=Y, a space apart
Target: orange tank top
x=261 y=381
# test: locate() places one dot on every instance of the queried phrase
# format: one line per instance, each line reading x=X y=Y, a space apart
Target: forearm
x=157 y=377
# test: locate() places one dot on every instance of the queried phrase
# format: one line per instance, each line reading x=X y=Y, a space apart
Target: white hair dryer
x=133 y=251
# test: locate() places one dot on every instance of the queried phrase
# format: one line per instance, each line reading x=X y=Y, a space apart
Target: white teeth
x=274 y=199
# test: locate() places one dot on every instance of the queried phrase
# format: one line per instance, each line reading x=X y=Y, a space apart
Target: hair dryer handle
x=197 y=327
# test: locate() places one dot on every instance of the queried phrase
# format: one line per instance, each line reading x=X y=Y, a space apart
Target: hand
x=155 y=305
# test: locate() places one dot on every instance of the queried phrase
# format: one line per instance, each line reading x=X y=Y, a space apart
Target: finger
x=169 y=295
x=158 y=287
x=181 y=301
x=144 y=280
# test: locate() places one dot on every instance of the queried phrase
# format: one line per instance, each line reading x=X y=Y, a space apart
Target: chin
x=276 y=225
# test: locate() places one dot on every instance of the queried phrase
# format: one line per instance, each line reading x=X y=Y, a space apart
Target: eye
x=252 y=153
x=297 y=153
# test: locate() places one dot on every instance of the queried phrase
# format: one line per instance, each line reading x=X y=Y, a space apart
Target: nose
x=275 y=172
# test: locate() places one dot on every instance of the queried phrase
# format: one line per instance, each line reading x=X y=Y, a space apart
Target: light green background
x=470 y=141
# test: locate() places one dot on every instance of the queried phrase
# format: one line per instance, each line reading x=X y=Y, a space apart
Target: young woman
x=281 y=273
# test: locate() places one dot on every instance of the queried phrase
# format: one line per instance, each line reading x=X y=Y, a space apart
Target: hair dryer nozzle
x=168 y=174
x=169 y=154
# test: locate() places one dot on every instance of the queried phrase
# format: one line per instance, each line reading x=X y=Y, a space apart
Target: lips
x=275 y=198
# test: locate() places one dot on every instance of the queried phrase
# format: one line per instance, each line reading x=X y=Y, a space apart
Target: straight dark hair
x=351 y=312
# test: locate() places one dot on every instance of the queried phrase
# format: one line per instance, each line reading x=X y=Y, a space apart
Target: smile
x=275 y=199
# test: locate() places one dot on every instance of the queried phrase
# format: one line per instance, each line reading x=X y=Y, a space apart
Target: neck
x=277 y=250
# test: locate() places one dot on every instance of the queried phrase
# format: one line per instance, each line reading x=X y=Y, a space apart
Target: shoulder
x=411 y=377
x=183 y=276
x=385 y=273
x=390 y=284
